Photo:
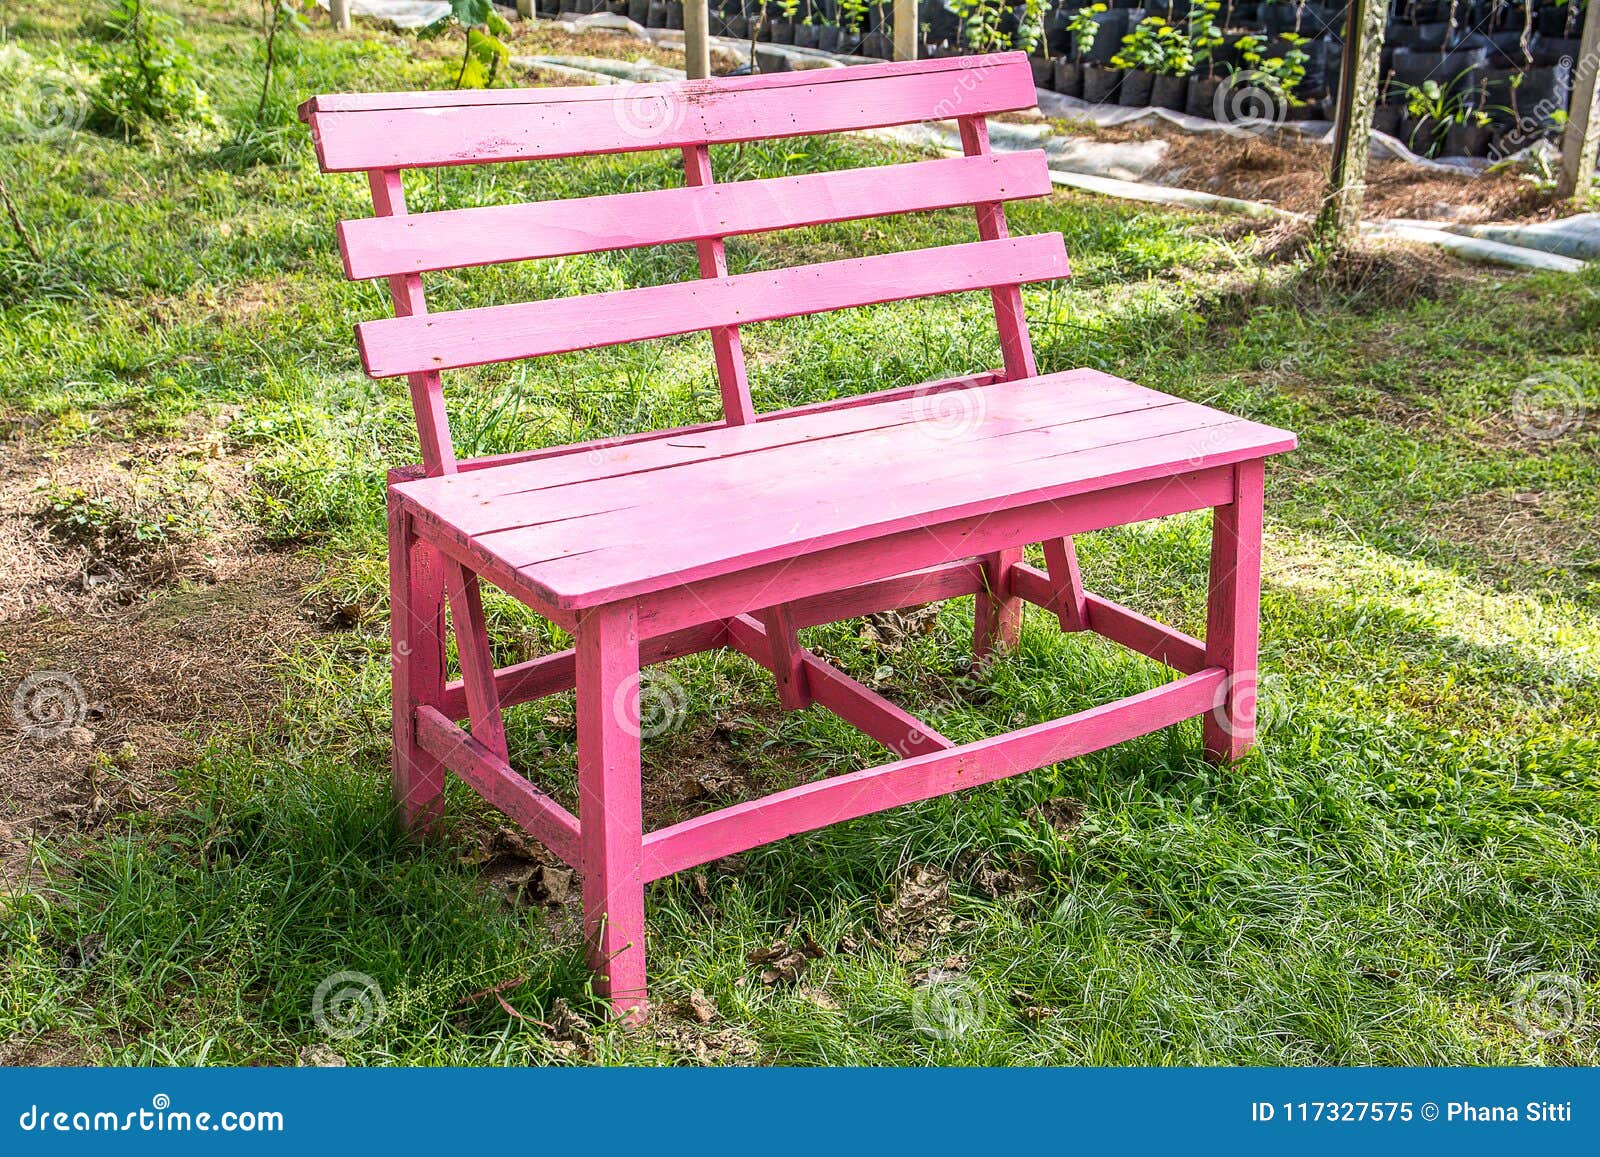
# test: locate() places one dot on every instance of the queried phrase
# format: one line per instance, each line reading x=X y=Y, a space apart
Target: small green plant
x=788 y=8
x=483 y=52
x=1280 y=75
x=980 y=23
x=1155 y=46
x=1439 y=106
x=147 y=75
x=1082 y=29
x=1205 y=35
x=852 y=15
x=284 y=15
x=1030 y=26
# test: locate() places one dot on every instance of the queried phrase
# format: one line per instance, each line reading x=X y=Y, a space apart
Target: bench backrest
x=383 y=134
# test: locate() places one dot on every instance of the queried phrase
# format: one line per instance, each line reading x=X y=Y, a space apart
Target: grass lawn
x=1406 y=871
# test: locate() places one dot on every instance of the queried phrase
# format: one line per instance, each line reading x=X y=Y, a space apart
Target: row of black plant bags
x=1473 y=77
x=1460 y=77
x=849 y=27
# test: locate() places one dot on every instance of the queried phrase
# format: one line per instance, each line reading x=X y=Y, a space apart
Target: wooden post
x=696 y=39
x=905 y=29
x=1352 y=131
x=339 y=11
x=1581 y=141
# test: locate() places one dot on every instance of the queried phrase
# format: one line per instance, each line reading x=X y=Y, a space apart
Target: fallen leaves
x=702 y=1007
x=919 y=912
x=1063 y=814
x=785 y=963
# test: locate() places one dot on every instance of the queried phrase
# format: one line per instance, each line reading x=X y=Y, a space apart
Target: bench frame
x=757 y=612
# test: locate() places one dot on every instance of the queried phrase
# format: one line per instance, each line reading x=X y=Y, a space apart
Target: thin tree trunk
x=1352 y=140
x=1581 y=141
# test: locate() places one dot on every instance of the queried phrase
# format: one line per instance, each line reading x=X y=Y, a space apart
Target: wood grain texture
x=609 y=805
x=417 y=667
x=1233 y=615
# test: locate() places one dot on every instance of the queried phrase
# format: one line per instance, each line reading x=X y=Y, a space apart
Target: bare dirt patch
x=101 y=708
x=91 y=525
x=139 y=615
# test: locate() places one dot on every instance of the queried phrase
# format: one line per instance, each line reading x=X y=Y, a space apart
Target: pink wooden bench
x=738 y=533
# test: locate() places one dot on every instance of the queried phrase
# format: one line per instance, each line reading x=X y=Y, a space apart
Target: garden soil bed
x=1292 y=175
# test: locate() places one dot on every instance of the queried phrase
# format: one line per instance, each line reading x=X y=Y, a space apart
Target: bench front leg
x=609 y=808
x=417 y=667
x=1233 y=614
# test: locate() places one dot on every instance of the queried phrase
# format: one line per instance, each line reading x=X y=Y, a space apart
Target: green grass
x=1384 y=881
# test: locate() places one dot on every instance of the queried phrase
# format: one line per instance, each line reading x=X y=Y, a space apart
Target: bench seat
x=634 y=520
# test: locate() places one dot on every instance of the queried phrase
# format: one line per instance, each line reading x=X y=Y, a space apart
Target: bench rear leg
x=417 y=667
x=794 y=691
x=609 y=810
x=997 y=613
x=1233 y=614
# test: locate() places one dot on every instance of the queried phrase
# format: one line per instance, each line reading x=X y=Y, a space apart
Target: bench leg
x=794 y=692
x=417 y=667
x=609 y=812
x=997 y=613
x=1066 y=600
x=1233 y=615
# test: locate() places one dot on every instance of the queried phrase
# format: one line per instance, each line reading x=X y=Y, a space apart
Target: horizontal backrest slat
x=420 y=242
x=390 y=131
x=442 y=341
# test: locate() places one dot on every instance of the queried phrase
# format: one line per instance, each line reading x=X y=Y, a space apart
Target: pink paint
x=741 y=532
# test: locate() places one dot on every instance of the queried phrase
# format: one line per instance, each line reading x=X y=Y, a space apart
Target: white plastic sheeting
x=1114 y=168
x=400 y=13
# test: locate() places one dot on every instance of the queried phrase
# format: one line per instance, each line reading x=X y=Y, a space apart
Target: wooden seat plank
x=617 y=534
x=593 y=574
x=475 y=502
